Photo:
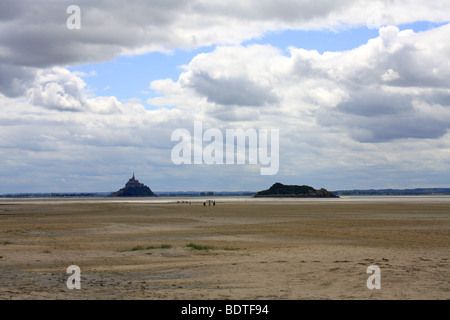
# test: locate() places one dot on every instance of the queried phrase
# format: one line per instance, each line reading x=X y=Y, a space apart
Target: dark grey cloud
x=232 y=90
x=413 y=125
x=372 y=102
x=10 y=10
x=387 y=128
x=34 y=33
x=377 y=116
x=15 y=80
x=282 y=11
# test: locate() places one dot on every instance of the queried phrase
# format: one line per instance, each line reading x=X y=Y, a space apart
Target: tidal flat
x=310 y=249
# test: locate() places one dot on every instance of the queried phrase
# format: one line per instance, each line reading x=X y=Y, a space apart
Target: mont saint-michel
x=133 y=188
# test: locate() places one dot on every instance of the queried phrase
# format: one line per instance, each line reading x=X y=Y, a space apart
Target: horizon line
x=225 y=191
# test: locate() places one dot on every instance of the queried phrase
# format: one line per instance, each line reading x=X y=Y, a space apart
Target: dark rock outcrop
x=133 y=188
x=279 y=190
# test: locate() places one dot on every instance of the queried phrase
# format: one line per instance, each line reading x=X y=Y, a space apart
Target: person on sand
x=214 y=203
x=204 y=203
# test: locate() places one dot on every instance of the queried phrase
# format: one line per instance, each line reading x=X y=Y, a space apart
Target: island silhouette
x=133 y=188
x=279 y=190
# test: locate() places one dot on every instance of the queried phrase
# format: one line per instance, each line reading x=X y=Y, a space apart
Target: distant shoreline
x=200 y=194
x=198 y=201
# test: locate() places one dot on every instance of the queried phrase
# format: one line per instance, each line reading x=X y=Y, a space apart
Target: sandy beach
x=280 y=250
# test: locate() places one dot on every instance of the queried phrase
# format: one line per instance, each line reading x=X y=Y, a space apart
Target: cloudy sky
x=359 y=91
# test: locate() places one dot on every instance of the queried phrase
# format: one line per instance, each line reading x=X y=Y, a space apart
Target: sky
x=359 y=92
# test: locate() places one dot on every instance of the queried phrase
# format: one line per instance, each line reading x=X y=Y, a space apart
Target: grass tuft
x=199 y=247
x=163 y=246
x=140 y=247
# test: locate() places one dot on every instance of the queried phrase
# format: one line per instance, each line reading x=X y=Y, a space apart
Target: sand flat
x=259 y=249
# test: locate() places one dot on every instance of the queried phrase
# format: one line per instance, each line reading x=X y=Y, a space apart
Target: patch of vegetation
x=140 y=247
x=199 y=247
x=163 y=246
x=5 y=242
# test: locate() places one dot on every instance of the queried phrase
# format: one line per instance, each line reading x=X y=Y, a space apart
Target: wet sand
x=252 y=250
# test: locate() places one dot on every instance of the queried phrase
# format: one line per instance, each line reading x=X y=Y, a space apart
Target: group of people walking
x=213 y=202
